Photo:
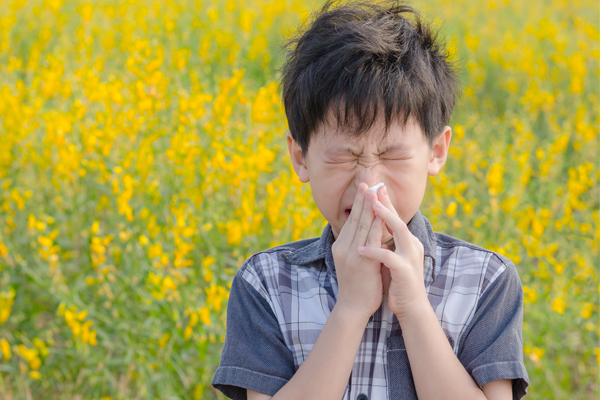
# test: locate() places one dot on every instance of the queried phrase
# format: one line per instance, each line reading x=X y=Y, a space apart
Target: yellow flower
x=495 y=177
x=588 y=309
x=213 y=15
x=35 y=374
x=467 y=207
x=6 y=303
x=95 y=227
x=154 y=250
x=81 y=316
x=258 y=46
x=451 y=209
x=187 y=333
x=246 y=18
x=5 y=348
x=144 y=240
x=204 y=313
x=208 y=261
x=168 y=283
x=530 y=294
x=93 y=340
x=559 y=304
x=234 y=233
x=162 y=342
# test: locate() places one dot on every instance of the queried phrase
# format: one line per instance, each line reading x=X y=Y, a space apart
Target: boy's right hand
x=360 y=288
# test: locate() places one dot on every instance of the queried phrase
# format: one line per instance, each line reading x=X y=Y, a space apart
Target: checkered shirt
x=281 y=298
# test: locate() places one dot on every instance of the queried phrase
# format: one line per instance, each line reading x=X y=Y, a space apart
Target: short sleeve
x=492 y=345
x=254 y=354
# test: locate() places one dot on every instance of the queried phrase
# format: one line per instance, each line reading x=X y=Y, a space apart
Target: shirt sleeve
x=254 y=354
x=492 y=346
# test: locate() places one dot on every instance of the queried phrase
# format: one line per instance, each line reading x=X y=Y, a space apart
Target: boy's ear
x=439 y=151
x=298 y=161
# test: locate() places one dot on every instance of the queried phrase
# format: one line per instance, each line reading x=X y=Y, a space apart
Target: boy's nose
x=369 y=176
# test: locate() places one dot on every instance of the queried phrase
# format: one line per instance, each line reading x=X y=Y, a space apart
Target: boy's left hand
x=406 y=293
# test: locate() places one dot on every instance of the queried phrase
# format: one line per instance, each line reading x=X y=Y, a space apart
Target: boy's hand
x=407 y=292
x=360 y=288
x=384 y=198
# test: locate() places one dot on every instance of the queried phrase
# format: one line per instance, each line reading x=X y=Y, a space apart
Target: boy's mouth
x=348 y=212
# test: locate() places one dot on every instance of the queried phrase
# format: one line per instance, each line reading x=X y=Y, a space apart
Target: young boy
x=380 y=306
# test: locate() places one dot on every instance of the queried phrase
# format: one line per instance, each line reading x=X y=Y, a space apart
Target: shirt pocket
x=399 y=376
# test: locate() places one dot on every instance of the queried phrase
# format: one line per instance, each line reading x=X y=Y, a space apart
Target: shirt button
x=362 y=396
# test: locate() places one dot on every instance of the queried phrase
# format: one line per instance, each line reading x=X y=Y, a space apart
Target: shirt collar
x=321 y=248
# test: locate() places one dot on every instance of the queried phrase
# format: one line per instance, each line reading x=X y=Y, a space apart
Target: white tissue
x=374 y=188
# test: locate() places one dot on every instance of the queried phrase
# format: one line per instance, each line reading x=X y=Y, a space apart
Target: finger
x=384 y=246
x=387 y=258
x=349 y=229
x=402 y=236
x=384 y=198
x=374 y=237
x=366 y=220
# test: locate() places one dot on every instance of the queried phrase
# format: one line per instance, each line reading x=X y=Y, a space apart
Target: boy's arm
x=437 y=372
x=491 y=347
x=325 y=371
x=490 y=351
x=324 y=374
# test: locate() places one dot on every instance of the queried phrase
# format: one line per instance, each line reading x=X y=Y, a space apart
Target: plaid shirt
x=281 y=298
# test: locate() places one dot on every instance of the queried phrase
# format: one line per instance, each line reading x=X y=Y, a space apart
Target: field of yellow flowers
x=143 y=159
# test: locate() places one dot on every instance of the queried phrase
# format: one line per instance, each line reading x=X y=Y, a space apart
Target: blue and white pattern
x=298 y=282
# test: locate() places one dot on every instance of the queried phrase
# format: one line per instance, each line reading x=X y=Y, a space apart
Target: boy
x=380 y=306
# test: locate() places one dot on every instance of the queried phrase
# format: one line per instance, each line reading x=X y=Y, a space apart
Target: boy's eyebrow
x=351 y=150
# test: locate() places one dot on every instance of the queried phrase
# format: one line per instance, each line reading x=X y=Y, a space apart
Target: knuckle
x=362 y=227
x=370 y=241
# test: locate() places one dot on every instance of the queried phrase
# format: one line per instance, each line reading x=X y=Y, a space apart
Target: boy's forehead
x=345 y=140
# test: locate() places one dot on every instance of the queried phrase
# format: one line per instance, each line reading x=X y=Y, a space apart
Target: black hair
x=356 y=58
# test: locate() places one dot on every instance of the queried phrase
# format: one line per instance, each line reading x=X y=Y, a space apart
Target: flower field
x=143 y=159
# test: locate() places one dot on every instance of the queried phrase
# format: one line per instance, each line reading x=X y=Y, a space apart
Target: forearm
x=325 y=371
x=433 y=360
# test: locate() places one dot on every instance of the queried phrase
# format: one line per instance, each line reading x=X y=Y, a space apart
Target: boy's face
x=336 y=164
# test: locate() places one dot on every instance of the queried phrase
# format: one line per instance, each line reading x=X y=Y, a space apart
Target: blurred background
x=143 y=159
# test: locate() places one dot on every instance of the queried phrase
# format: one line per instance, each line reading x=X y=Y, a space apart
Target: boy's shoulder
x=267 y=269
x=462 y=258
x=279 y=255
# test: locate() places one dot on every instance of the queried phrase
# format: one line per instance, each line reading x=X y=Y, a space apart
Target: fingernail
x=362 y=249
x=378 y=204
x=384 y=191
x=361 y=188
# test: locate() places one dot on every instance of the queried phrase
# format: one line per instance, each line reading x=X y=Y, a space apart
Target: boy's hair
x=357 y=58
